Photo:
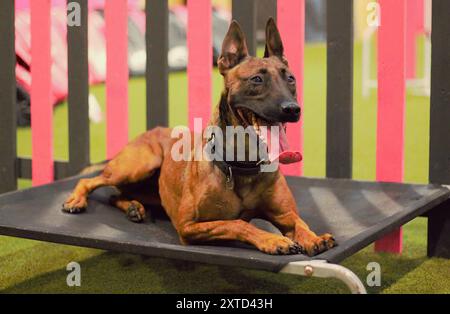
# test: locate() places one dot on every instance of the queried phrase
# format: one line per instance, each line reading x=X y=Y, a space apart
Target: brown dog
x=215 y=200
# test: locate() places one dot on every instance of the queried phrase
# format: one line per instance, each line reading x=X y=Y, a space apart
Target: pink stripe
x=41 y=105
x=199 y=41
x=393 y=242
x=291 y=23
x=391 y=100
x=420 y=15
x=116 y=21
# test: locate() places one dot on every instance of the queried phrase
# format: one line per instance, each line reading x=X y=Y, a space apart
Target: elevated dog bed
x=357 y=213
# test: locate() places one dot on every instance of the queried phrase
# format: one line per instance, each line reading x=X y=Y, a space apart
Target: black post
x=440 y=94
x=339 y=88
x=439 y=231
x=264 y=10
x=78 y=98
x=439 y=169
x=8 y=119
x=157 y=74
x=244 y=12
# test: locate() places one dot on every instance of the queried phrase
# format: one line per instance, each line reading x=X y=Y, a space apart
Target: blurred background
x=416 y=150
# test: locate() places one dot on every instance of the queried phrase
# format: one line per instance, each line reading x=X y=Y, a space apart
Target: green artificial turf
x=32 y=266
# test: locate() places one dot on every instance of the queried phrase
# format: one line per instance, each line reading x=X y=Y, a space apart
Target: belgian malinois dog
x=197 y=195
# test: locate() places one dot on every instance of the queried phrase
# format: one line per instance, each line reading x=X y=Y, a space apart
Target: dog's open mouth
x=284 y=155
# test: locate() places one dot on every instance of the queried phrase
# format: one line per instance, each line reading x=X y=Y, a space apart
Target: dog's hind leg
x=77 y=201
x=136 y=162
x=134 y=210
x=111 y=176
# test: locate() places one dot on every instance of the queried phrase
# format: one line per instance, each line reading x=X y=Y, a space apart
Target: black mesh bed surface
x=357 y=213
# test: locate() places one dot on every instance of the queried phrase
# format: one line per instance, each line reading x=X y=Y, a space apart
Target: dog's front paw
x=317 y=244
x=75 y=205
x=279 y=245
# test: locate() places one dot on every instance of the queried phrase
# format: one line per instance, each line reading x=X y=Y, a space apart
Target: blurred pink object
x=93 y=4
x=96 y=38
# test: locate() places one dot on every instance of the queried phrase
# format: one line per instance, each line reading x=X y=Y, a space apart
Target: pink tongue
x=285 y=156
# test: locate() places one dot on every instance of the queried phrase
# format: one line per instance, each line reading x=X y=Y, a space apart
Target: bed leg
x=322 y=269
x=439 y=231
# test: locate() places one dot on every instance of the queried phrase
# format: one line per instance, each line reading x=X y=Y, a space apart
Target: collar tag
x=230 y=180
x=263 y=162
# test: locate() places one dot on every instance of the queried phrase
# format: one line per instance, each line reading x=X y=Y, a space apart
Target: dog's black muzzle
x=290 y=112
x=285 y=111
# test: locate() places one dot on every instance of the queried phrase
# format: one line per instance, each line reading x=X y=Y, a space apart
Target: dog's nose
x=291 y=108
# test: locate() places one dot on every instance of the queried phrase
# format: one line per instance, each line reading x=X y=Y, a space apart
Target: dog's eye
x=257 y=79
x=291 y=79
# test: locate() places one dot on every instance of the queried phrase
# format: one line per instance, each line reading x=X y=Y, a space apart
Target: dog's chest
x=219 y=205
x=243 y=201
x=249 y=196
x=226 y=204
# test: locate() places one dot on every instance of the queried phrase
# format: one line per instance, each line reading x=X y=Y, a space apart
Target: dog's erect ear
x=234 y=48
x=274 y=45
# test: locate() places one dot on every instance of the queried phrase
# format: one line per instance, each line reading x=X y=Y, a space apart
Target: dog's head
x=259 y=91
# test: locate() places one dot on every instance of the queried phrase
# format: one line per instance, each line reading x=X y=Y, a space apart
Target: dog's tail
x=94 y=168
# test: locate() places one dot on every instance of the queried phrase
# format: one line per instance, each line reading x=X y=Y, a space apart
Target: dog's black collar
x=238 y=168
x=234 y=168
